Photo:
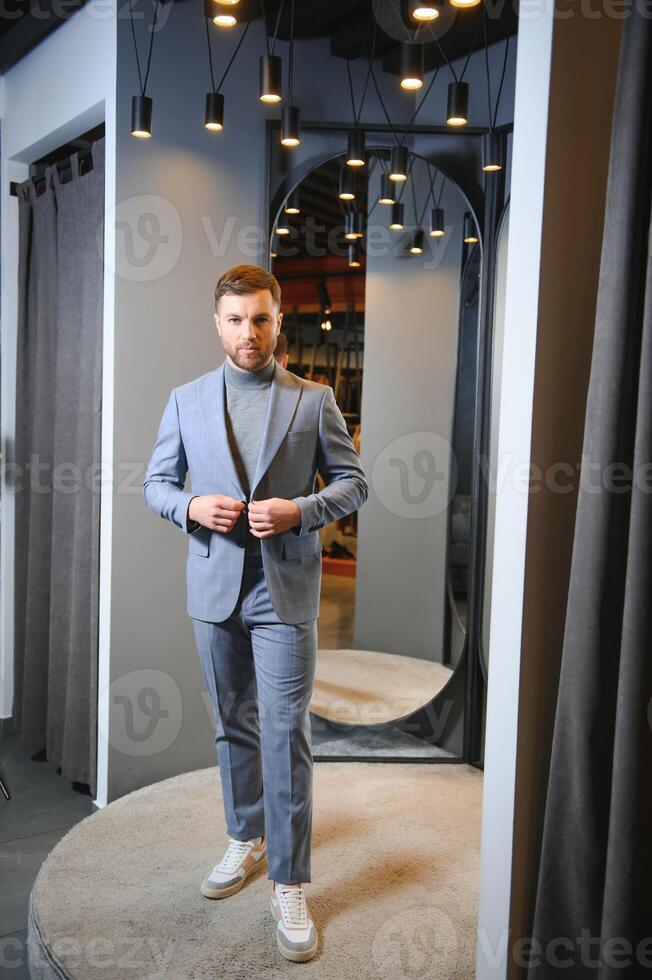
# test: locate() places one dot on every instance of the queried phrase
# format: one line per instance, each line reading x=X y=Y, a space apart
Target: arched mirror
x=380 y=281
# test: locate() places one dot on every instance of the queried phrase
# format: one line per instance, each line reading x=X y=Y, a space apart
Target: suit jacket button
x=240 y=543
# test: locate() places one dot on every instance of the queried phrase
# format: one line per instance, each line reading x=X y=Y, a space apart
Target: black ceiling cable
x=143 y=85
x=376 y=86
x=502 y=79
x=414 y=203
x=468 y=57
x=421 y=101
x=232 y=58
x=278 y=21
x=270 y=50
x=425 y=205
x=486 y=62
x=291 y=59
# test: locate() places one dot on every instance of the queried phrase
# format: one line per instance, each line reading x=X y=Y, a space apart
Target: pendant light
x=349 y=230
x=282 y=228
x=437 y=227
x=354 y=256
x=411 y=65
x=141 y=105
x=470 y=230
x=424 y=11
x=227 y=3
x=359 y=223
x=493 y=144
x=398 y=166
x=387 y=195
x=270 y=77
x=224 y=20
x=141 y=116
x=457 y=113
x=292 y=203
x=465 y=3
x=354 y=225
x=417 y=243
x=290 y=126
x=214 y=109
x=214 y=115
x=290 y=114
x=347 y=185
x=396 y=223
x=356 y=148
x=492 y=151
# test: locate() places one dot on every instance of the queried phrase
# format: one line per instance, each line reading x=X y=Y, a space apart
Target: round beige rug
x=393 y=891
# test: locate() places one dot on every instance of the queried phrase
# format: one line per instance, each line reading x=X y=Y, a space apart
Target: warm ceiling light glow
x=416 y=247
x=225 y=20
x=214 y=115
x=227 y=3
x=425 y=12
x=290 y=126
x=492 y=152
x=282 y=230
x=437 y=229
x=464 y=3
x=396 y=224
x=398 y=166
x=141 y=117
x=457 y=113
x=270 y=75
x=411 y=65
x=355 y=148
x=470 y=231
x=387 y=195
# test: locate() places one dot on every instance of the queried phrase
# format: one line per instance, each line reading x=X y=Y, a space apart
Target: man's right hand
x=216 y=511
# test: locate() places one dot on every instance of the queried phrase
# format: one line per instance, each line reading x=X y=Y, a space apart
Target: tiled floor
x=42 y=808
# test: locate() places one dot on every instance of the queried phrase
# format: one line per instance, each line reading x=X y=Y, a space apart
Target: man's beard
x=250 y=362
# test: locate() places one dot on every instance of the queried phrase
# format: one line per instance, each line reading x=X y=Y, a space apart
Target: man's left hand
x=272 y=516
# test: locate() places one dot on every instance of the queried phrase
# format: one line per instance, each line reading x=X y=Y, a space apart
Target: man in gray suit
x=253 y=437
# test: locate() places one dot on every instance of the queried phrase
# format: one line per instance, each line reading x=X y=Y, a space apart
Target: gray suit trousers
x=260 y=672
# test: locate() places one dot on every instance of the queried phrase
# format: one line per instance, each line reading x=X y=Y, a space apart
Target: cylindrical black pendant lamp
x=141 y=116
x=214 y=118
x=347 y=185
x=398 y=166
x=290 y=125
x=354 y=255
x=437 y=228
x=457 y=113
x=387 y=195
x=424 y=11
x=355 y=149
x=396 y=223
x=349 y=230
x=492 y=151
x=470 y=231
x=271 y=75
x=292 y=204
x=418 y=242
x=359 y=223
x=411 y=65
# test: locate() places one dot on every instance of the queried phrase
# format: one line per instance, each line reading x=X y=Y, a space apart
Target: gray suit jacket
x=304 y=433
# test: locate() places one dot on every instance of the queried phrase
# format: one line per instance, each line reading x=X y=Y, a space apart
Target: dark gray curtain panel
x=57 y=455
x=595 y=876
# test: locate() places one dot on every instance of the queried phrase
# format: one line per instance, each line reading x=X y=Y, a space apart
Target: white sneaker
x=296 y=935
x=229 y=875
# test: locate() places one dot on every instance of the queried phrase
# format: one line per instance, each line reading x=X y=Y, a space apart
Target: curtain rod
x=61 y=166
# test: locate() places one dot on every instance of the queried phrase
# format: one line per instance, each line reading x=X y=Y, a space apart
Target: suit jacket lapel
x=283 y=398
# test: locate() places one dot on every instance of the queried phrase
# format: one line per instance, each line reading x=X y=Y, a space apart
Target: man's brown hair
x=244 y=279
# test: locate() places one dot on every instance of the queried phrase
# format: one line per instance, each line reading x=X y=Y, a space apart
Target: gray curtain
x=595 y=875
x=57 y=452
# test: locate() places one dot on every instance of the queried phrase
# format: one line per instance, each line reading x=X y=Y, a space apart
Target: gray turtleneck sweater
x=247 y=401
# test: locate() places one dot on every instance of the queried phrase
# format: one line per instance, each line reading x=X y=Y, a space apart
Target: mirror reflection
x=380 y=297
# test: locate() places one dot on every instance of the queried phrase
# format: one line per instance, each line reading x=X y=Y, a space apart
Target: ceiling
x=348 y=23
